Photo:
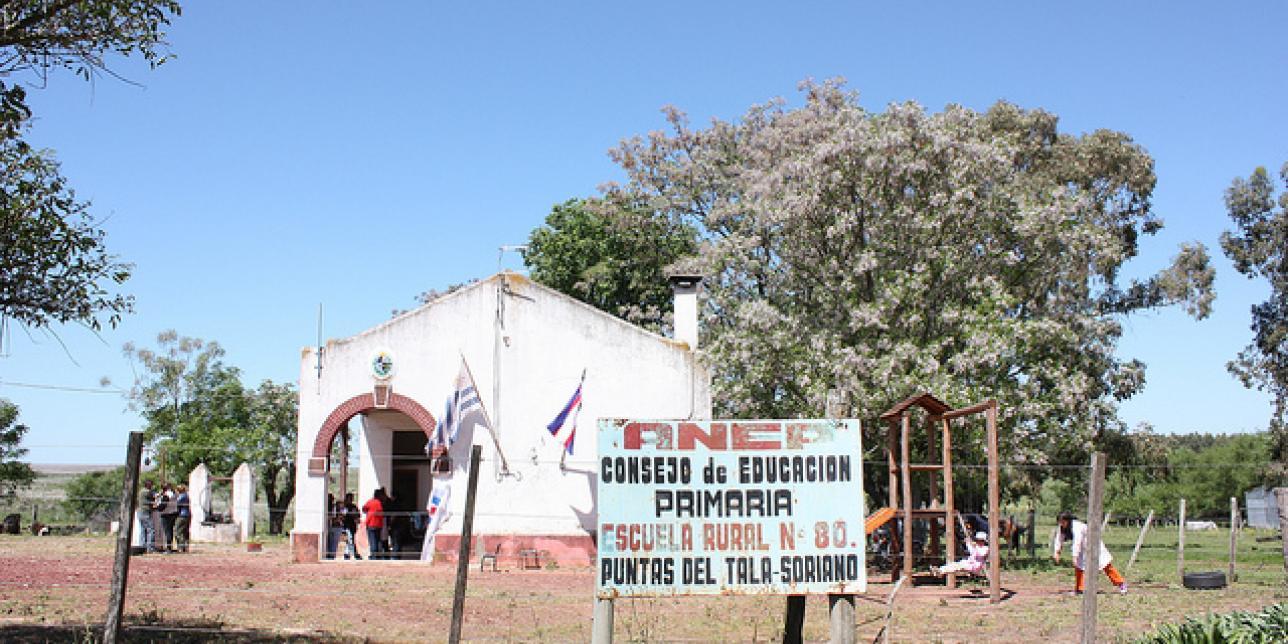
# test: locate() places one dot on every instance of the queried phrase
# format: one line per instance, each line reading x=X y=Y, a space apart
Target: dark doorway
x=410 y=468
x=400 y=514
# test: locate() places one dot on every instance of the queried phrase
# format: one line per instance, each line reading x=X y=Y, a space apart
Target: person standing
x=143 y=514
x=183 y=519
x=169 y=510
x=350 y=520
x=375 y=522
x=395 y=524
x=158 y=529
x=1075 y=531
x=335 y=525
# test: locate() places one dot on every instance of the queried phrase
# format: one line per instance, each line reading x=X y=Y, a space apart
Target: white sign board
x=730 y=507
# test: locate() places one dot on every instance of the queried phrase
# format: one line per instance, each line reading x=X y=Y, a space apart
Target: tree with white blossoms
x=972 y=255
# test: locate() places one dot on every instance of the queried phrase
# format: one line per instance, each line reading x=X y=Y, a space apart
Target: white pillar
x=199 y=493
x=244 y=501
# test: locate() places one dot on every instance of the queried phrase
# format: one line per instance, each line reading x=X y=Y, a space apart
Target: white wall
x=549 y=339
x=374 y=466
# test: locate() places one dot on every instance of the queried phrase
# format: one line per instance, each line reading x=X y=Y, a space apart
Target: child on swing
x=974 y=563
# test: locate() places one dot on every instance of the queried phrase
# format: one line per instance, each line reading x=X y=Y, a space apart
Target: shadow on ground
x=164 y=631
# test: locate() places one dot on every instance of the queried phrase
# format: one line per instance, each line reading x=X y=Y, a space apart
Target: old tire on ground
x=1204 y=580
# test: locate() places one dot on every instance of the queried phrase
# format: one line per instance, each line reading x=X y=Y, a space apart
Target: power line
x=85 y=390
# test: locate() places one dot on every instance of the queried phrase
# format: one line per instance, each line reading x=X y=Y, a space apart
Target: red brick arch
x=363 y=403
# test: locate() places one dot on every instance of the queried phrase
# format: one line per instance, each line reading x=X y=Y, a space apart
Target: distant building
x=527 y=347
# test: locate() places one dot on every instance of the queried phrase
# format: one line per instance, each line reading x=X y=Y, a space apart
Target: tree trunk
x=277 y=502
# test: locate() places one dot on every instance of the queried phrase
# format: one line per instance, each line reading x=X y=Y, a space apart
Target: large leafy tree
x=612 y=255
x=37 y=36
x=268 y=440
x=974 y=255
x=198 y=411
x=1259 y=248
x=190 y=400
x=54 y=266
x=14 y=474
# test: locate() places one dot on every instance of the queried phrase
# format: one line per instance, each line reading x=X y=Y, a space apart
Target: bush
x=1267 y=625
x=95 y=496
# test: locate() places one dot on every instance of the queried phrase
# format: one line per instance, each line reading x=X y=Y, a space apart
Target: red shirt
x=375 y=512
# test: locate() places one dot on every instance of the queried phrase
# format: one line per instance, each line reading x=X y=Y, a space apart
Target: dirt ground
x=56 y=588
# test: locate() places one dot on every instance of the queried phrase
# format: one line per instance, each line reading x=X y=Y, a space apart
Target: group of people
x=389 y=527
x=342 y=523
x=164 y=517
x=1071 y=530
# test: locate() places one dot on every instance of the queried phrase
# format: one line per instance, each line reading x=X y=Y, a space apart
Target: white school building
x=527 y=347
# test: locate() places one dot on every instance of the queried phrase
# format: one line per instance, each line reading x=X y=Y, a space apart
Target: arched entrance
x=389 y=455
x=359 y=404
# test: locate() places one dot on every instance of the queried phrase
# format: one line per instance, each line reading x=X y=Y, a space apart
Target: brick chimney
x=685 y=288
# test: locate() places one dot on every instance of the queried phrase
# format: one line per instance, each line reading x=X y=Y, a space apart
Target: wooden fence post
x=994 y=506
x=1180 y=545
x=1281 y=498
x=1140 y=539
x=1033 y=551
x=463 y=555
x=1234 y=535
x=1091 y=549
x=125 y=532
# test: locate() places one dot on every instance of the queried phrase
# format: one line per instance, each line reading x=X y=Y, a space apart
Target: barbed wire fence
x=62 y=513
x=1035 y=542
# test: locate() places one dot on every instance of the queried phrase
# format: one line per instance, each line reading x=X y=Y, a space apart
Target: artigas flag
x=437 y=509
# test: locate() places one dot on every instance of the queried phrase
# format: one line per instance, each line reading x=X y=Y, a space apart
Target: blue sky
x=355 y=154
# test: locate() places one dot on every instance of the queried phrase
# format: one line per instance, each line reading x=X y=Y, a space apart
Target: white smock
x=1080 y=546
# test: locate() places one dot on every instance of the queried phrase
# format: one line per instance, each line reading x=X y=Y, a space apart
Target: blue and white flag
x=463 y=409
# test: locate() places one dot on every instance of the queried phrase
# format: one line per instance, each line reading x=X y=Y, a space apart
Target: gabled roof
x=519 y=281
x=925 y=400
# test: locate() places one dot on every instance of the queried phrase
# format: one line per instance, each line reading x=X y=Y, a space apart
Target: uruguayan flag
x=463 y=410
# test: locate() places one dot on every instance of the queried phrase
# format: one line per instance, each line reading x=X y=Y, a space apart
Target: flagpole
x=563 y=456
x=505 y=466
